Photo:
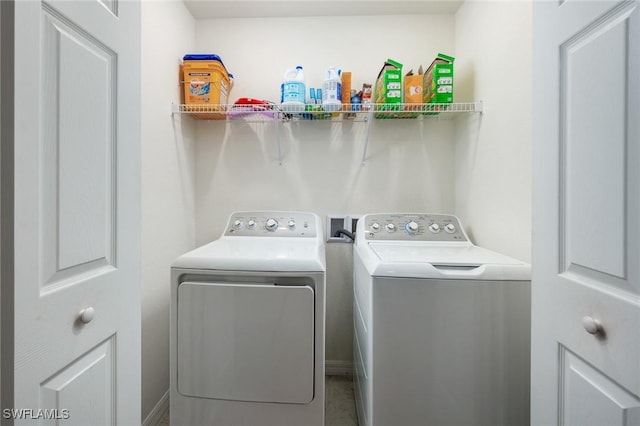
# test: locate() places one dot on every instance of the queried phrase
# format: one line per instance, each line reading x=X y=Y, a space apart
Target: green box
x=438 y=81
x=388 y=89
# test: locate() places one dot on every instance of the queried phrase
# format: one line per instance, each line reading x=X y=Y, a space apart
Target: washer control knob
x=412 y=227
x=434 y=227
x=237 y=224
x=375 y=226
x=391 y=227
x=450 y=228
x=251 y=224
x=271 y=224
x=291 y=224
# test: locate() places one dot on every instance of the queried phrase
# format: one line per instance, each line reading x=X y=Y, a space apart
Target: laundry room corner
x=493 y=175
x=167 y=186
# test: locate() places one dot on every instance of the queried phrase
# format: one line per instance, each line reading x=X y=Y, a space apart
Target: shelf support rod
x=278 y=124
x=366 y=134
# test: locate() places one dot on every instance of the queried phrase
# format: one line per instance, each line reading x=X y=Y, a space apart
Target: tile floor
x=340 y=408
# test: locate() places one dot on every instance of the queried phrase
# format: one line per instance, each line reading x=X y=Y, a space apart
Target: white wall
x=168 y=182
x=493 y=153
x=410 y=165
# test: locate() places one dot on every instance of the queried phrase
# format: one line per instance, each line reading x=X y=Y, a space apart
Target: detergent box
x=388 y=90
x=412 y=93
x=207 y=85
x=438 y=81
x=413 y=87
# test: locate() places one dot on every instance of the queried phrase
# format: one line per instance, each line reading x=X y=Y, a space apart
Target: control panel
x=271 y=224
x=416 y=227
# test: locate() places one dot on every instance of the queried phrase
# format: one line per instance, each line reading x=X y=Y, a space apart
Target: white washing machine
x=441 y=326
x=247 y=325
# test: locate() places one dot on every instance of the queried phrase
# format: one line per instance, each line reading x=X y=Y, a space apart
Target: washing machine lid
x=465 y=254
x=256 y=254
x=429 y=260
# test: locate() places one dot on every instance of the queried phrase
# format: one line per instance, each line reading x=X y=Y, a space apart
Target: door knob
x=592 y=325
x=86 y=315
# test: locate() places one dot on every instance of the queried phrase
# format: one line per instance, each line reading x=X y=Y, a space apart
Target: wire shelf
x=358 y=112
x=349 y=112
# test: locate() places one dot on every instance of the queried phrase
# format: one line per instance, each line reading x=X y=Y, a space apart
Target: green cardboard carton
x=438 y=81
x=388 y=89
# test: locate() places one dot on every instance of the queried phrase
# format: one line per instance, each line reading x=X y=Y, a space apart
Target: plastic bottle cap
x=299 y=67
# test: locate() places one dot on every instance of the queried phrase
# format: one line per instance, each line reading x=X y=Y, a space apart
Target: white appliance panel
x=246 y=342
x=447 y=352
x=271 y=224
x=361 y=384
x=412 y=227
x=441 y=327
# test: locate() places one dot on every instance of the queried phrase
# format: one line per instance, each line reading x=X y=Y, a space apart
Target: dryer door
x=246 y=342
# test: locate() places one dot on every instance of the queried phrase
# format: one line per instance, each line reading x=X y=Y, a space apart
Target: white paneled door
x=77 y=212
x=586 y=232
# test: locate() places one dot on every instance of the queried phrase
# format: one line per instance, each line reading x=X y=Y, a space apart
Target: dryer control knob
x=412 y=227
x=271 y=224
x=237 y=224
x=391 y=227
x=434 y=227
x=251 y=224
x=291 y=224
x=375 y=226
x=450 y=228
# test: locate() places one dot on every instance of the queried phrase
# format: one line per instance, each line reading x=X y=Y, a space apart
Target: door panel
x=85 y=388
x=111 y=5
x=77 y=209
x=586 y=234
x=593 y=143
x=78 y=185
x=608 y=404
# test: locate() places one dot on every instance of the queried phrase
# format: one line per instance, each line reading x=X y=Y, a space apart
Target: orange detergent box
x=207 y=85
x=413 y=87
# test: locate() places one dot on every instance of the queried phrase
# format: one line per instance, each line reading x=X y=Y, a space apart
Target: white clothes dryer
x=247 y=325
x=441 y=326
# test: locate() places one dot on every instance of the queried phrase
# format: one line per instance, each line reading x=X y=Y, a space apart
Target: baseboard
x=338 y=368
x=158 y=411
